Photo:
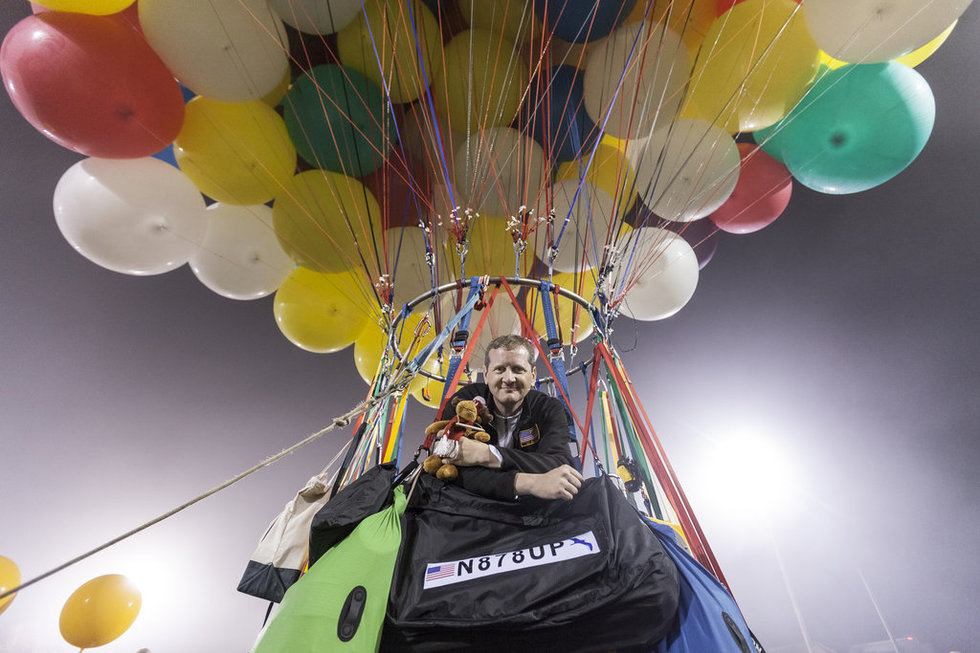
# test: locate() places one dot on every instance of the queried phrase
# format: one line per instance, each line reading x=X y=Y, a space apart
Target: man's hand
x=560 y=483
x=473 y=453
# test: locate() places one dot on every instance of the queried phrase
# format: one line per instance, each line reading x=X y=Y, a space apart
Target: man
x=528 y=450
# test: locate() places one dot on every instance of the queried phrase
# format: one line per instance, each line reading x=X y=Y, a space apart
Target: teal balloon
x=857 y=127
x=336 y=118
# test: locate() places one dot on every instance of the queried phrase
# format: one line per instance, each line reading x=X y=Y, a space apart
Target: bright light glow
x=751 y=471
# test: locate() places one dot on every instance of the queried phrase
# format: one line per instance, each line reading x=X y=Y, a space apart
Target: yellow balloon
x=327 y=221
x=9 y=579
x=569 y=313
x=515 y=19
x=370 y=345
x=275 y=96
x=323 y=313
x=235 y=152
x=95 y=7
x=426 y=391
x=610 y=170
x=480 y=81
x=754 y=66
x=99 y=611
x=384 y=44
x=490 y=252
x=691 y=19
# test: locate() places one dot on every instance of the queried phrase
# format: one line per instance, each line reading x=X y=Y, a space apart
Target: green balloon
x=336 y=118
x=857 y=127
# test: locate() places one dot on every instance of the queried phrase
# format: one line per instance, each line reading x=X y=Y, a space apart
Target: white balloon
x=407 y=263
x=873 y=31
x=498 y=170
x=661 y=277
x=685 y=170
x=227 y=50
x=590 y=216
x=135 y=216
x=502 y=320
x=317 y=16
x=654 y=66
x=240 y=257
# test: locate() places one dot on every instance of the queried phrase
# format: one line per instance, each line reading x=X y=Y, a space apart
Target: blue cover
x=708 y=618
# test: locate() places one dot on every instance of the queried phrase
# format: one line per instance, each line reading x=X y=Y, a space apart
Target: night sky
x=844 y=335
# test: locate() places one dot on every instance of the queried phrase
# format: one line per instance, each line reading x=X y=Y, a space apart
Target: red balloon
x=400 y=188
x=91 y=84
x=760 y=196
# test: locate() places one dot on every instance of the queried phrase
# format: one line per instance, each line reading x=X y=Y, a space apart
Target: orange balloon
x=99 y=611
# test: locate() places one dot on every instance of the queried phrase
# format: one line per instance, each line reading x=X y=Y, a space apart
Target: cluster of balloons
x=96 y=613
x=351 y=155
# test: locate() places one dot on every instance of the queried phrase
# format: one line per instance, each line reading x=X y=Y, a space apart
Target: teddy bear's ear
x=455 y=401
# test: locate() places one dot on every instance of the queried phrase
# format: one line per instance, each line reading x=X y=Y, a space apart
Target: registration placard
x=438 y=574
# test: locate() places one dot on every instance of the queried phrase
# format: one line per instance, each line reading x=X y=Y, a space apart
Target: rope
x=341 y=421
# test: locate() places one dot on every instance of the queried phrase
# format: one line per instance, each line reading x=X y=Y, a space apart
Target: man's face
x=510 y=376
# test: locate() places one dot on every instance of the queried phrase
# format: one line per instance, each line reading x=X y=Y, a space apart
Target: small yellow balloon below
x=426 y=391
x=610 y=170
x=322 y=312
x=9 y=579
x=569 y=313
x=94 y=7
x=99 y=611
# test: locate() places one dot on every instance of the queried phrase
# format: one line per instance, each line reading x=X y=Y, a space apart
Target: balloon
x=555 y=114
x=663 y=276
x=756 y=64
x=322 y=313
x=515 y=19
x=760 y=196
x=385 y=42
x=239 y=153
x=139 y=216
x=91 y=84
x=608 y=168
x=491 y=250
x=860 y=126
x=691 y=19
x=372 y=341
x=336 y=117
x=701 y=235
x=326 y=221
x=581 y=21
x=399 y=188
x=874 y=31
x=479 y=82
x=685 y=170
x=636 y=79
x=585 y=216
x=99 y=611
x=317 y=16
x=9 y=579
x=96 y=7
x=496 y=171
x=228 y=50
x=407 y=263
x=912 y=59
x=426 y=391
x=240 y=257
x=568 y=313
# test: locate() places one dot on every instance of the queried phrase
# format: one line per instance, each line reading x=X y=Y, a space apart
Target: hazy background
x=844 y=335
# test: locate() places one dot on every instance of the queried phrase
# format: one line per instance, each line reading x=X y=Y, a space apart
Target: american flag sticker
x=438 y=572
x=527 y=437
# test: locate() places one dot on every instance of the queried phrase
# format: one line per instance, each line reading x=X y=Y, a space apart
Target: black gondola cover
x=477 y=574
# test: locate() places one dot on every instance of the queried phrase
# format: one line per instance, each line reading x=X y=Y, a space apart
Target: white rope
x=341 y=421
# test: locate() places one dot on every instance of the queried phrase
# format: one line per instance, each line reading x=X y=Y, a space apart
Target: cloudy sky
x=843 y=336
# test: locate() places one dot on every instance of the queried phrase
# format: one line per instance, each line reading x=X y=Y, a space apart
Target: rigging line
x=341 y=421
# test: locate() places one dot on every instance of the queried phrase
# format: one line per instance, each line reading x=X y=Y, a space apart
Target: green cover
x=308 y=618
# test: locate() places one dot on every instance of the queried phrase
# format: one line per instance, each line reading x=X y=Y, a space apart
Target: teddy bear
x=466 y=423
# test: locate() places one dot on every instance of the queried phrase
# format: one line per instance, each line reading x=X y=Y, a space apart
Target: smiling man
x=528 y=452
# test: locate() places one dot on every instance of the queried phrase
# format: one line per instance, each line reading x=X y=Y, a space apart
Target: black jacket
x=540 y=443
